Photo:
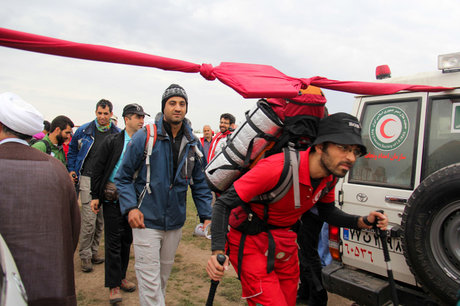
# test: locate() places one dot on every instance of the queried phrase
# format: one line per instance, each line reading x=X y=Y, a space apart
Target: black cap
x=340 y=128
x=134 y=109
x=173 y=90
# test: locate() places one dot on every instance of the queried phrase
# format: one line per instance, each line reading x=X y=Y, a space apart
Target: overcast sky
x=337 y=39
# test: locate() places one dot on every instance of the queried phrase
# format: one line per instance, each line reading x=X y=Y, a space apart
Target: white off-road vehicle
x=412 y=172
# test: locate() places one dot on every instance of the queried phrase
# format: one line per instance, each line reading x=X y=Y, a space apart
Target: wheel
x=431 y=234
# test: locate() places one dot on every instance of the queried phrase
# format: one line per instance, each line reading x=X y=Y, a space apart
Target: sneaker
x=86 y=265
x=127 y=286
x=115 y=295
x=97 y=260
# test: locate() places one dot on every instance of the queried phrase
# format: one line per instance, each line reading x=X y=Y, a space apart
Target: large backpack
x=274 y=125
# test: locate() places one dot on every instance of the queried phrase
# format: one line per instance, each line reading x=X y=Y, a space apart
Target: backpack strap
x=289 y=175
x=198 y=156
x=148 y=148
x=271 y=241
x=149 y=143
x=240 y=254
x=294 y=158
x=48 y=146
x=329 y=186
x=271 y=244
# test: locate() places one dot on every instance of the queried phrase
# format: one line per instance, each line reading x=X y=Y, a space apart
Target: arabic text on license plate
x=370 y=238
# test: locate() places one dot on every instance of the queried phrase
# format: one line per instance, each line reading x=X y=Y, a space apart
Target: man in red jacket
x=265 y=257
x=219 y=141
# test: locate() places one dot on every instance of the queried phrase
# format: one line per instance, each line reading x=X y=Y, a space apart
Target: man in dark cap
x=311 y=290
x=117 y=235
x=267 y=260
x=176 y=161
x=39 y=214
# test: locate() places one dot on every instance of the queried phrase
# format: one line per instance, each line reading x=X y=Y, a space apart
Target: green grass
x=190 y=224
x=186 y=302
x=82 y=300
x=232 y=289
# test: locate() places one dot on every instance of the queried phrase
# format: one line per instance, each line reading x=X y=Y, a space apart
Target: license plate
x=370 y=238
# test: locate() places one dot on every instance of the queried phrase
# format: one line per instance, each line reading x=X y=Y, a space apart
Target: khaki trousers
x=154 y=252
x=91 y=224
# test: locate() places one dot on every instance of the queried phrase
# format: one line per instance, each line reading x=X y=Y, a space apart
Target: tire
x=431 y=234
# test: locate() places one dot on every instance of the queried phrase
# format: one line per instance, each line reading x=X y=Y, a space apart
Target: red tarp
x=249 y=80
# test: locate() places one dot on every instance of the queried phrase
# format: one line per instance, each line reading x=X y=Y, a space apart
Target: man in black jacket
x=118 y=234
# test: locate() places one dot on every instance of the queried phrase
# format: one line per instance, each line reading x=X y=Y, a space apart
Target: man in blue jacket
x=81 y=160
x=176 y=162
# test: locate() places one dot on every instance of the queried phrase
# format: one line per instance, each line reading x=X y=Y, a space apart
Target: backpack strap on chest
x=149 y=143
x=289 y=175
x=294 y=161
x=329 y=186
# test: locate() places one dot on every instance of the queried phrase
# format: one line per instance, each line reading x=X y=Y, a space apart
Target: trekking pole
x=212 y=289
x=386 y=255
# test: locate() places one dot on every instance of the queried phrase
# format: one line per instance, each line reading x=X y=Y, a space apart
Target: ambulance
x=412 y=173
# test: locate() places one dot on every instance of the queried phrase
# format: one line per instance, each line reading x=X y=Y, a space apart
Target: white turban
x=19 y=115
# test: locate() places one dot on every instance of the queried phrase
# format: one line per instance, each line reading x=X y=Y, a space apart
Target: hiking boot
x=127 y=286
x=86 y=265
x=115 y=295
x=97 y=260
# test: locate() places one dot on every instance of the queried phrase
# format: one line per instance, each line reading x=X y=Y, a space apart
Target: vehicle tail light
x=334 y=242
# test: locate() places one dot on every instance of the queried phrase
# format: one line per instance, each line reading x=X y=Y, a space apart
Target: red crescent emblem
x=382 y=128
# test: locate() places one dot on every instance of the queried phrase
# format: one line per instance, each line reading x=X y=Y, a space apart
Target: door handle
x=395 y=199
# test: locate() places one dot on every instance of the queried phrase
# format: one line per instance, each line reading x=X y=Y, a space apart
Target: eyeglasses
x=347 y=148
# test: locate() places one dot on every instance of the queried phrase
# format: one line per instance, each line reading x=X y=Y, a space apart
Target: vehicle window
x=389 y=132
x=442 y=145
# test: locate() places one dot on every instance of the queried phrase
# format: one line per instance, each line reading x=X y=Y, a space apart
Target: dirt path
x=188 y=284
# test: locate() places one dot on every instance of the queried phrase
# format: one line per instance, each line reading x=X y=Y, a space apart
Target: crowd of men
x=134 y=182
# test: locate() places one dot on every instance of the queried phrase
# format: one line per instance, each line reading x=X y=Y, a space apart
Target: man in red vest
x=264 y=253
x=219 y=141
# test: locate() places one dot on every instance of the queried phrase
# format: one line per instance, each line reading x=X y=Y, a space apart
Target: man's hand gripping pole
x=212 y=290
